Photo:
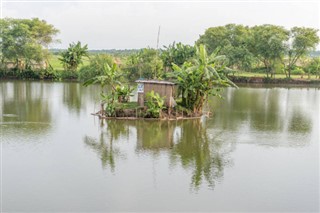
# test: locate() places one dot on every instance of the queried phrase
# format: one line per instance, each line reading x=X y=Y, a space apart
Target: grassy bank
x=265 y=80
x=277 y=76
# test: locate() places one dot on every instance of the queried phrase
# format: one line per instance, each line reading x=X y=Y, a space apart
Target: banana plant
x=155 y=104
x=109 y=78
x=124 y=93
x=200 y=78
x=72 y=57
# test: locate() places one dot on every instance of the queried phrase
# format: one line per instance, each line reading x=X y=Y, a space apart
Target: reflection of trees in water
x=278 y=113
x=104 y=150
x=188 y=143
x=299 y=123
x=206 y=156
x=154 y=135
x=103 y=146
x=259 y=106
x=25 y=107
x=76 y=97
x=72 y=96
x=193 y=147
x=116 y=129
x=30 y=110
x=28 y=101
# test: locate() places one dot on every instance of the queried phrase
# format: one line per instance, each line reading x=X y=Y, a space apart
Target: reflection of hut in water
x=163 y=88
x=158 y=135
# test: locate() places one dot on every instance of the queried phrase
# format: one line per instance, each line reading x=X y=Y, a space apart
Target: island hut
x=163 y=88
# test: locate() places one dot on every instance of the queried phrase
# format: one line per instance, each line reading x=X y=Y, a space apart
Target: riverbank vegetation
x=266 y=50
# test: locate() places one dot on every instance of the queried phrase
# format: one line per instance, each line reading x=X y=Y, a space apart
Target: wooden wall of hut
x=164 y=90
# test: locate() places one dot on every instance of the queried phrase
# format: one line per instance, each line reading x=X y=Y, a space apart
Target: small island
x=181 y=96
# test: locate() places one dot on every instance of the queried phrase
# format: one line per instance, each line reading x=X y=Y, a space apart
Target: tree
x=303 y=40
x=213 y=38
x=177 y=54
x=133 y=67
x=268 y=45
x=233 y=41
x=95 y=66
x=314 y=66
x=145 y=64
x=72 y=57
x=199 y=79
x=25 y=40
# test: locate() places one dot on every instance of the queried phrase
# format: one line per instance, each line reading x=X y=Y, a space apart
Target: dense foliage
x=234 y=42
x=268 y=45
x=25 y=41
x=72 y=57
x=110 y=77
x=264 y=46
x=96 y=66
x=303 y=41
x=144 y=64
x=155 y=105
x=268 y=49
x=199 y=79
x=176 y=54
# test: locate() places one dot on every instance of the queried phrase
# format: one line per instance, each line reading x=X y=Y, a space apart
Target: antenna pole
x=158 y=38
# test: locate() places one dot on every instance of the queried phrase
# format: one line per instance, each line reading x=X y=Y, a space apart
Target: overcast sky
x=126 y=25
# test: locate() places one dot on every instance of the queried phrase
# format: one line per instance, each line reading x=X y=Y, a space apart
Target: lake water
x=258 y=152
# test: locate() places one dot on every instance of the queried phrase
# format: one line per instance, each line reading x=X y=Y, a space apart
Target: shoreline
x=149 y=119
x=133 y=115
x=235 y=79
x=273 y=81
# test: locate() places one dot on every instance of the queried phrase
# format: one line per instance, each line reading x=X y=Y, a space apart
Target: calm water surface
x=258 y=152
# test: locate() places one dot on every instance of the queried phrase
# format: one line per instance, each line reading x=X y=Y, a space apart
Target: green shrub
x=67 y=75
x=267 y=80
x=278 y=68
x=155 y=104
x=28 y=74
x=314 y=66
x=297 y=71
x=96 y=66
x=124 y=93
x=259 y=70
x=86 y=73
x=3 y=73
x=182 y=110
x=49 y=74
x=109 y=100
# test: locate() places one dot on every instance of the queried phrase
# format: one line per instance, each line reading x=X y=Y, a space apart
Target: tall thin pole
x=1 y=154
x=158 y=38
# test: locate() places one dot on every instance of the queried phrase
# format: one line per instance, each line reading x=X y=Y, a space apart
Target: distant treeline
x=115 y=52
x=126 y=52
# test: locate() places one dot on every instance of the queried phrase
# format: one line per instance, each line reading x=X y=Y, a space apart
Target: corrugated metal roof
x=155 y=82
